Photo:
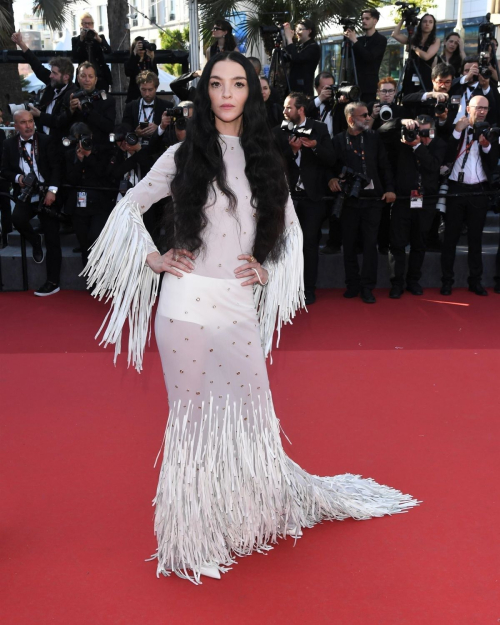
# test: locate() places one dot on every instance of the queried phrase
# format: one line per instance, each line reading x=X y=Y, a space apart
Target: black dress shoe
x=49 y=288
x=351 y=292
x=415 y=288
x=310 y=297
x=478 y=289
x=396 y=292
x=330 y=249
x=38 y=254
x=445 y=289
x=496 y=288
x=367 y=295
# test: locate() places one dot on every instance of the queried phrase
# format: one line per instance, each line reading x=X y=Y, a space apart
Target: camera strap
x=147 y=118
x=24 y=152
x=360 y=153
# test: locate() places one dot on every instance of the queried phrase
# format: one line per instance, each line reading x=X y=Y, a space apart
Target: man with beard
x=59 y=81
x=361 y=150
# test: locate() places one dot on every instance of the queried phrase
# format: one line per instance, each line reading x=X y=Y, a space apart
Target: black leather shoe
x=496 y=288
x=330 y=249
x=49 y=288
x=351 y=292
x=310 y=297
x=415 y=288
x=38 y=254
x=445 y=289
x=367 y=296
x=396 y=292
x=478 y=289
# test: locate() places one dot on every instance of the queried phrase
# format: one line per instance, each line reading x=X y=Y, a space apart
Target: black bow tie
x=27 y=141
x=148 y=106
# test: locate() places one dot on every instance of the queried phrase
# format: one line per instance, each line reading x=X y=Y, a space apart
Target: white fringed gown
x=226 y=486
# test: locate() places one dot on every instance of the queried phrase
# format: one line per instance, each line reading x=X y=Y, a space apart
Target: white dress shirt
x=58 y=93
x=462 y=109
x=328 y=120
x=473 y=170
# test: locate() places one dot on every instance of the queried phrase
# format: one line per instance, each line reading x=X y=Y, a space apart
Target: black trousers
x=21 y=218
x=5 y=212
x=384 y=229
x=87 y=229
x=409 y=226
x=364 y=219
x=311 y=215
x=497 y=264
x=473 y=210
x=335 y=228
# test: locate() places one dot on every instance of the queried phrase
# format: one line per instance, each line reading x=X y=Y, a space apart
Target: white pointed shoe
x=210 y=570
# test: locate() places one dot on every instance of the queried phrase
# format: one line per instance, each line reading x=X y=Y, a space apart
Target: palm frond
x=6 y=29
x=53 y=12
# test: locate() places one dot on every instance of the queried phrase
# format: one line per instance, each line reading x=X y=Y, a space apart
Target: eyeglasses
x=444 y=82
x=479 y=108
x=365 y=115
x=386 y=91
x=216 y=28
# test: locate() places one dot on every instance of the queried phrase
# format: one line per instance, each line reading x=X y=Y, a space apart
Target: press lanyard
x=24 y=152
x=147 y=117
x=361 y=153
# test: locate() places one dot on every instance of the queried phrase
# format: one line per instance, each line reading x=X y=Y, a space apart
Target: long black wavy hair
x=417 y=37
x=200 y=168
x=229 y=40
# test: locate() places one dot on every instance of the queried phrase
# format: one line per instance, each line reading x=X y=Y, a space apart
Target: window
x=172 y=10
x=73 y=24
x=152 y=11
x=101 y=18
x=133 y=7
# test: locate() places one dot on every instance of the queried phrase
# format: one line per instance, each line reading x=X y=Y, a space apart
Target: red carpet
x=404 y=391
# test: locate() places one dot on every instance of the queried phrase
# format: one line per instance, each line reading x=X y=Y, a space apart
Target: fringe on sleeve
x=117 y=271
x=278 y=302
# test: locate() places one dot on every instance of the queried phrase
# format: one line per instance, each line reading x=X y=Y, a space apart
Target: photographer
x=92 y=107
x=142 y=55
x=419 y=156
x=87 y=170
x=386 y=94
x=58 y=81
x=273 y=110
x=91 y=47
x=369 y=50
x=309 y=156
x=31 y=162
x=145 y=113
x=473 y=83
x=304 y=56
x=474 y=158
x=361 y=150
x=172 y=128
x=436 y=102
x=424 y=45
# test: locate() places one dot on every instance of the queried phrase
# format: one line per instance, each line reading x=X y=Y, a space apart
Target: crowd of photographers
x=384 y=171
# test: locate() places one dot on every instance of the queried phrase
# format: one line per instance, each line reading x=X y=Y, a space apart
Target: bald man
x=474 y=160
x=30 y=152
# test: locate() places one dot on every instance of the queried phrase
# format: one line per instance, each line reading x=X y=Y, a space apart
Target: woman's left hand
x=252 y=270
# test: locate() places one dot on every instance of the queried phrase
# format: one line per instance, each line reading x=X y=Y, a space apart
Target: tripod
x=347 y=58
x=278 y=77
x=409 y=66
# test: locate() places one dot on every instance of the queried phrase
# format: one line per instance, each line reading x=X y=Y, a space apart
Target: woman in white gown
x=234 y=274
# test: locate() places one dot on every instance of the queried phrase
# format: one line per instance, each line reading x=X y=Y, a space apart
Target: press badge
x=415 y=79
x=35 y=198
x=81 y=200
x=416 y=200
x=369 y=186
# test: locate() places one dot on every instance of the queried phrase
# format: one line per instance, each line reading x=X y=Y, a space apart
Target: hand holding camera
x=409 y=132
x=81 y=152
x=74 y=104
x=49 y=199
x=326 y=93
x=88 y=35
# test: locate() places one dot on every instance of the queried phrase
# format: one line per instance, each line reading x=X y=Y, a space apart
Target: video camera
x=275 y=30
x=85 y=142
x=490 y=133
x=351 y=184
x=409 y=14
x=129 y=137
x=411 y=134
x=486 y=33
x=484 y=65
x=293 y=131
x=349 y=23
x=87 y=99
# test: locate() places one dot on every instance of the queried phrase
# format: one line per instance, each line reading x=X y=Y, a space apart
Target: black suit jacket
x=180 y=88
x=140 y=162
x=368 y=53
x=131 y=112
x=132 y=68
x=493 y=97
x=48 y=162
x=304 y=59
x=413 y=102
x=377 y=163
x=408 y=162
x=93 y=52
x=315 y=165
x=100 y=118
x=92 y=171
x=489 y=161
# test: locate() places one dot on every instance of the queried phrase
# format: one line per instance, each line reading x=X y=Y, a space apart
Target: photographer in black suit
x=144 y=114
x=309 y=156
x=98 y=113
x=304 y=56
x=141 y=60
x=418 y=161
x=59 y=81
x=473 y=159
x=471 y=84
x=29 y=156
x=361 y=150
x=369 y=50
x=91 y=47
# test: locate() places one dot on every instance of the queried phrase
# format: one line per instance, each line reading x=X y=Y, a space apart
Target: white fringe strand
x=278 y=302
x=227 y=488
x=117 y=270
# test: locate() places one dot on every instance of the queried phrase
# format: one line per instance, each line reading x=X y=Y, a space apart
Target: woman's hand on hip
x=252 y=270
x=174 y=261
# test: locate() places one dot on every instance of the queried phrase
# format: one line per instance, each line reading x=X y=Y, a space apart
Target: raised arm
x=396 y=33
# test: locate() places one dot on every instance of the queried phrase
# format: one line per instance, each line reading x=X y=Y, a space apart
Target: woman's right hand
x=174 y=261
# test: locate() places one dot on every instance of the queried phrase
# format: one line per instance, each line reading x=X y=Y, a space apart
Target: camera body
x=293 y=131
x=409 y=14
x=30 y=186
x=89 y=35
x=180 y=114
x=351 y=92
x=490 y=133
x=349 y=23
x=27 y=106
x=146 y=45
x=88 y=99
x=484 y=65
x=351 y=184
x=411 y=135
x=85 y=142
x=129 y=137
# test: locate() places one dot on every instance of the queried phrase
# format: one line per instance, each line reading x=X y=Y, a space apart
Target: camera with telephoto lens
x=351 y=184
x=146 y=45
x=294 y=131
x=351 y=92
x=490 y=133
x=409 y=13
x=411 y=134
x=129 y=137
x=87 y=99
x=385 y=112
x=33 y=101
x=30 y=182
x=85 y=142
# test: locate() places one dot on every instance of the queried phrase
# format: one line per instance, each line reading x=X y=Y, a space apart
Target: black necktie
x=148 y=106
